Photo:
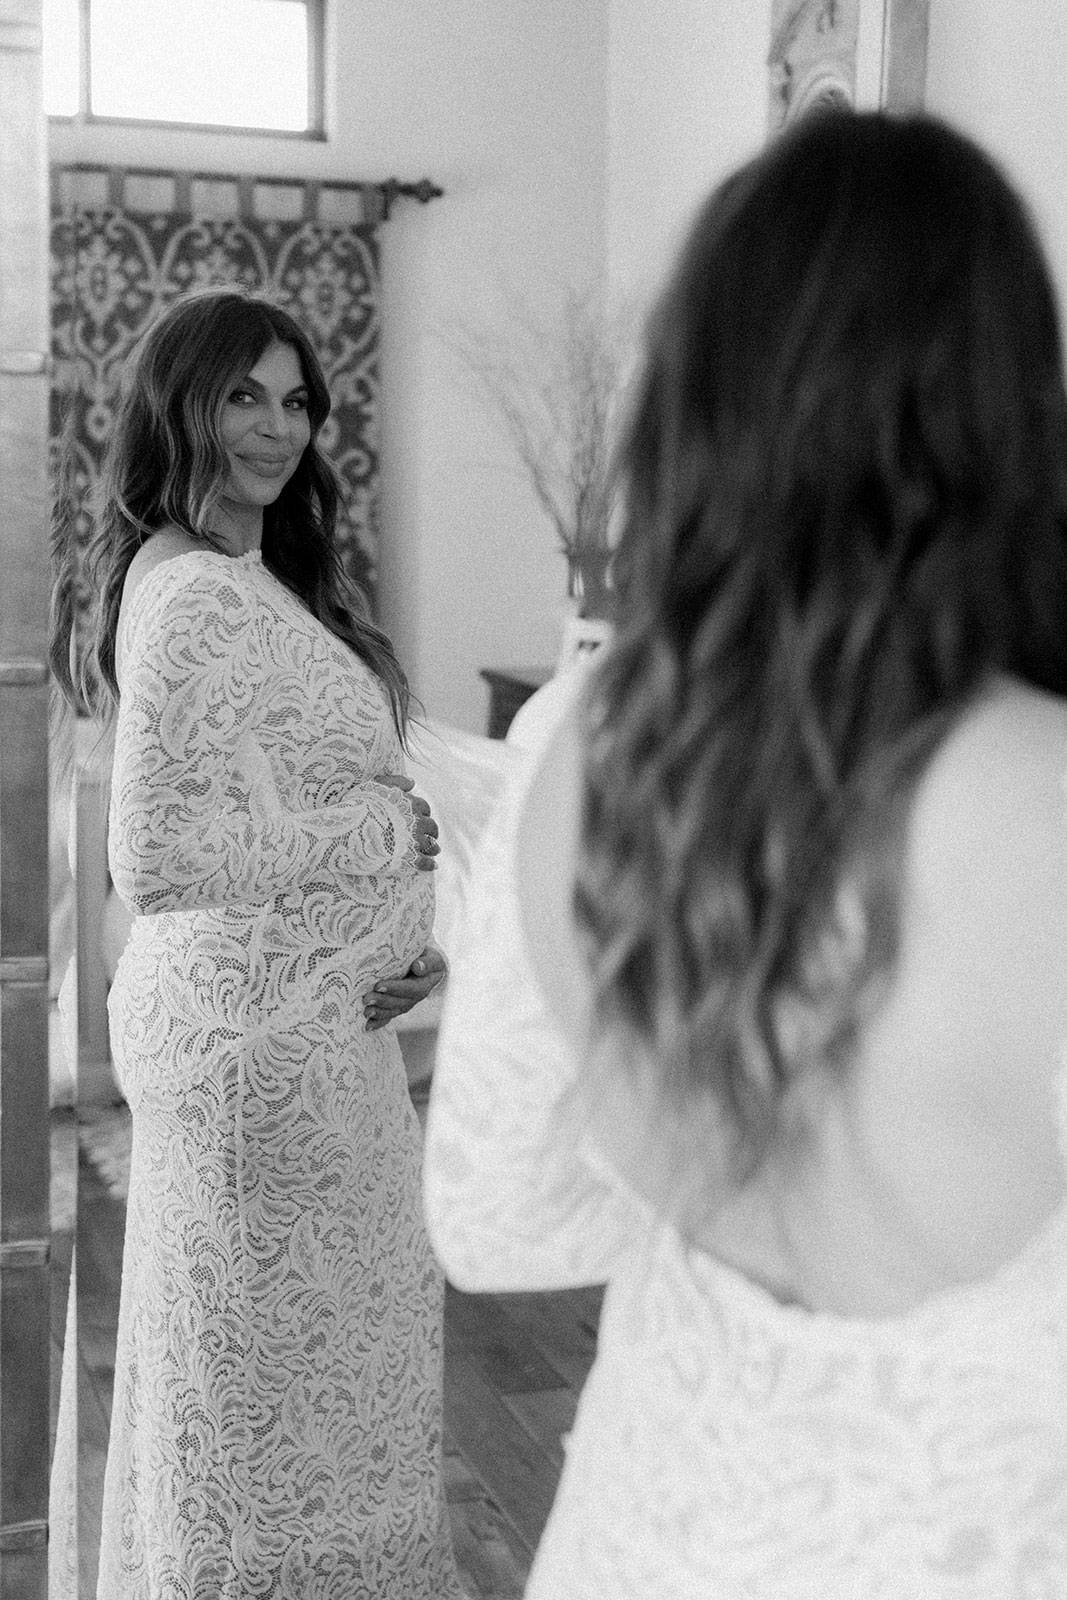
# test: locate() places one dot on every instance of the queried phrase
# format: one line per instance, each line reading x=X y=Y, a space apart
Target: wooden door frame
x=24 y=900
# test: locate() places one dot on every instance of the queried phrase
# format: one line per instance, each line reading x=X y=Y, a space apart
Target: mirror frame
x=25 y=1244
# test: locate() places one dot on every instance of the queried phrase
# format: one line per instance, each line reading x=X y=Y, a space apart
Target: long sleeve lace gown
x=276 y=1422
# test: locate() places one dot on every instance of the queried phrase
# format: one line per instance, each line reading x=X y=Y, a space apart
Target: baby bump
x=190 y=987
x=372 y=932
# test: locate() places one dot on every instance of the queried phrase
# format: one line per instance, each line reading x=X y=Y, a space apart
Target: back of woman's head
x=846 y=488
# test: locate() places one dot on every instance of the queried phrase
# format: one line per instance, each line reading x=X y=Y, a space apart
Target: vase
x=588 y=582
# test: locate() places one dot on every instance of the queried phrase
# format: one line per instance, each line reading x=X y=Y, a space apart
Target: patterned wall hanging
x=115 y=268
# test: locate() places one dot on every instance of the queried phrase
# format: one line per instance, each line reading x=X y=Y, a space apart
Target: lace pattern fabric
x=728 y=1447
x=760 y=1451
x=277 y=1414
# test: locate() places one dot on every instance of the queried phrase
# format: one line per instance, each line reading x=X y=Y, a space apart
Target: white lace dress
x=729 y=1447
x=276 y=1425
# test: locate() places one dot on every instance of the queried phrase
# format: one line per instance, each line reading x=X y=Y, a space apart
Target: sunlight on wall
x=61 y=57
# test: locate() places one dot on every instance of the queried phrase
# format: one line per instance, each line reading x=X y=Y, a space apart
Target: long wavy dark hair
x=846 y=511
x=166 y=466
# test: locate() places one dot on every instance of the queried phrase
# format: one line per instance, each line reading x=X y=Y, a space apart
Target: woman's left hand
x=391 y=997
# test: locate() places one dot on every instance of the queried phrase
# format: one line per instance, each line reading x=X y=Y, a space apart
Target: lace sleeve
x=196 y=817
x=512 y=1200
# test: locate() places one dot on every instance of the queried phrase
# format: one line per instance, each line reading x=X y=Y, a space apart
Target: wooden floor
x=514 y=1366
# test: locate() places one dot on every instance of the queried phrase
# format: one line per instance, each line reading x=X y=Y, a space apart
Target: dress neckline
x=249 y=558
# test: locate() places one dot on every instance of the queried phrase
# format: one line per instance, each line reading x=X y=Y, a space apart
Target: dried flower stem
x=558 y=392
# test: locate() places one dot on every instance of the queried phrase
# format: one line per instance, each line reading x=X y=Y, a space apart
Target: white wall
x=501 y=102
x=999 y=72
x=687 y=102
x=575 y=139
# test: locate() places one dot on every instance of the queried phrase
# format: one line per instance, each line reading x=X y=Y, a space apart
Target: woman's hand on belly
x=423 y=824
x=391 y=997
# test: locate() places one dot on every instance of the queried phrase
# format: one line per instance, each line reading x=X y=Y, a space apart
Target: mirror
x=514 y=1364
x=36 y=1217
x=62 y=1085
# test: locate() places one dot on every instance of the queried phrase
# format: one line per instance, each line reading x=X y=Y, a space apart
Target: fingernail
x=419 y=967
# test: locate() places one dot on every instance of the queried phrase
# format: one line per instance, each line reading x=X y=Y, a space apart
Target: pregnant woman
x=277 y=1412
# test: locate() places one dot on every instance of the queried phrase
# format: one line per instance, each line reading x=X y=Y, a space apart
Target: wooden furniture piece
x=510 y=688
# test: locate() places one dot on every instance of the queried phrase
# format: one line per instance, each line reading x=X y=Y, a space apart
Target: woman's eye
x=241 y=397
x=297 y=402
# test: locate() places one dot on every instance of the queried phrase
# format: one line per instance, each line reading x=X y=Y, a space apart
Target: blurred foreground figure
x=762 y=1015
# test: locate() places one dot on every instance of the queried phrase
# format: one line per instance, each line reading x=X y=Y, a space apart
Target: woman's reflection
x=276 y=1417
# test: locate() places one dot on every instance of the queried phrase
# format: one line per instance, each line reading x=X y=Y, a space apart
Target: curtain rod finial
x=423 y=191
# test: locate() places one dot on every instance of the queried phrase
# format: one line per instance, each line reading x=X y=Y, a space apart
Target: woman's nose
x=272 y=420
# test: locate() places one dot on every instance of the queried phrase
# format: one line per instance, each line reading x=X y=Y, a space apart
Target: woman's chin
x=244 y=497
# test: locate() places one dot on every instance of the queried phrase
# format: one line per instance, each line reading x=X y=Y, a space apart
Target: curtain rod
x=387 y=191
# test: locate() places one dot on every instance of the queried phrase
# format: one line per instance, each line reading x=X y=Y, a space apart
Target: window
x=242 y=64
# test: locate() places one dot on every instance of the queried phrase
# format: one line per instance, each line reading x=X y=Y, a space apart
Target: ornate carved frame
x=863 y=53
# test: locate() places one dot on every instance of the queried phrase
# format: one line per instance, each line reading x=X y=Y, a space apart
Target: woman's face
x=265 y=428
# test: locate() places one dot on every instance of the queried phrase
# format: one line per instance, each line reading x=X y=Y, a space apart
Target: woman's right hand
x=425 y=828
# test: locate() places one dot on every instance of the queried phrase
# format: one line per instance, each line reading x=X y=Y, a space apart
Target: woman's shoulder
x=995 y=794
x=986 y=873
x=960 y=1072
x=171 y=563
x=985 y=911
x=164 y=547
x=174 y=582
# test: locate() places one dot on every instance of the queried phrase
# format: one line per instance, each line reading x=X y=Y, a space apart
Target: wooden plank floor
x=514 y=1367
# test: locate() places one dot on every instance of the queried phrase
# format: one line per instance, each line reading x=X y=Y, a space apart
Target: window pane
x=242 y=63
x=61 y=57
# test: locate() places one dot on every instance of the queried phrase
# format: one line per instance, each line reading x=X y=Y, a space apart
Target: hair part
x=166 y=467
x=845 y=512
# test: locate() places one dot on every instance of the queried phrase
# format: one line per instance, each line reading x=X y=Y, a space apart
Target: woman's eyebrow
x=248 y=382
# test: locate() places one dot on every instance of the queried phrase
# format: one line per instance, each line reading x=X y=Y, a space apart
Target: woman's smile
x=270 y=466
